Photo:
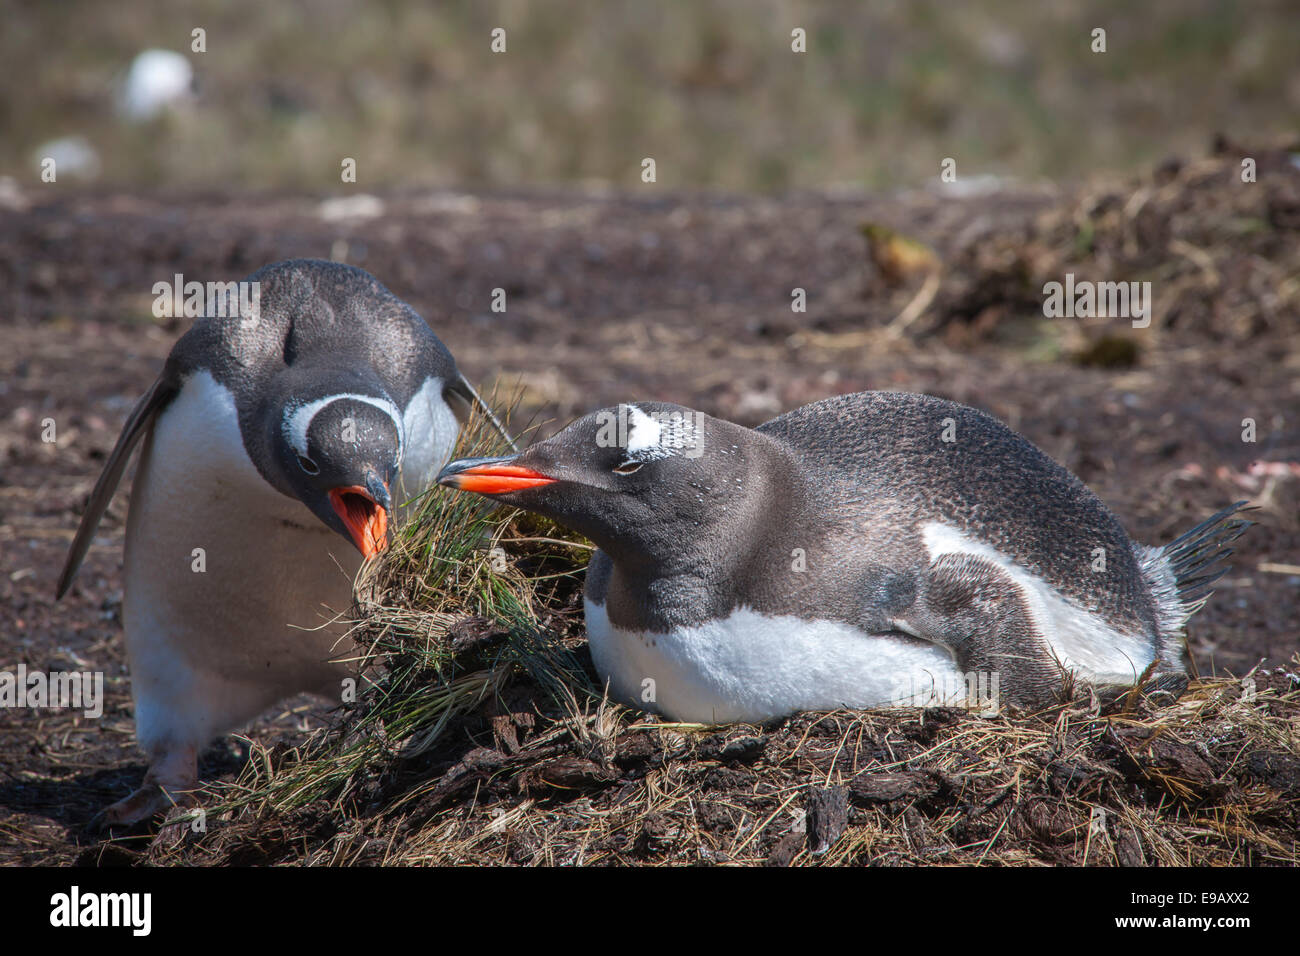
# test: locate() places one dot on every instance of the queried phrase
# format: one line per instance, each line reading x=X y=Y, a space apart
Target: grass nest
x=481 y=736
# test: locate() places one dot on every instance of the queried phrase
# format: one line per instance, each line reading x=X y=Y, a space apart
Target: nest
x=480 y=736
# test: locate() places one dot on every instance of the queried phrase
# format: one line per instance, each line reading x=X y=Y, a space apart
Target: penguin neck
x=707 y=575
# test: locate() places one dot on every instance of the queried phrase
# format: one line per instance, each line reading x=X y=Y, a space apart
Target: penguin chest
x=430 y=430
x=751 y=667
x=226 y=578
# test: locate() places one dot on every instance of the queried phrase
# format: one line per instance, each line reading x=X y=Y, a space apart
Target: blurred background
x=712 y=90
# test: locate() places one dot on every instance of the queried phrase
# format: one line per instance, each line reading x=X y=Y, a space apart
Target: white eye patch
x=651 y=437
x=643 y=432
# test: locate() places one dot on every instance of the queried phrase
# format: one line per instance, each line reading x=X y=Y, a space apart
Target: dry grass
x=1212 y=779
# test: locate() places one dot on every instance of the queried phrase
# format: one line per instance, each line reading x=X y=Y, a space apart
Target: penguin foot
x=172 y=777
x=142 y=806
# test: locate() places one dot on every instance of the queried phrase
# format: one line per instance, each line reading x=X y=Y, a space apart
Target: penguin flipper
x=137 y=426
x=975 y=609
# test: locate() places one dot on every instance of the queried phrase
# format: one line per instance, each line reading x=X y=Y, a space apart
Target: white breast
x=211 y=649
x=750 y=667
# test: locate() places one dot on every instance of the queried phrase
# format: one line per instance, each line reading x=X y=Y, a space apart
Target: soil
x=683 y=298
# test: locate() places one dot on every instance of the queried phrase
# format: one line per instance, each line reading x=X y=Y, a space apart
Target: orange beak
x=491 y=477
x=365 y=519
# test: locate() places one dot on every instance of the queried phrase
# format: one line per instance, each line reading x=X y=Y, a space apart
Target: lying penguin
x=276 y=447
x=868 y=550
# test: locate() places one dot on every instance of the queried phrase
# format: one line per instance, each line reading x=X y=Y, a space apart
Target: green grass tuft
x=447 y=563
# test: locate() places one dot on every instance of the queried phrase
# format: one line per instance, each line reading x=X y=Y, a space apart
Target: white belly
x=211 y=649
x=750 y=667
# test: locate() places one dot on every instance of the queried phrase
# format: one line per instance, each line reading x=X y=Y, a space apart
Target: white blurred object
x=73 y=157
x=360 y=206
x=12 y=198
x=982 y=185
x=157 y=81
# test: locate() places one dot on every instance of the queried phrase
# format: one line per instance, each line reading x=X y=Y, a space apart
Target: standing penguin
x=867 y=550
x=276 y=445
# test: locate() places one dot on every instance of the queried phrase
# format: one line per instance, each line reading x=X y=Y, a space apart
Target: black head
x=642 y=481
x=339 y=455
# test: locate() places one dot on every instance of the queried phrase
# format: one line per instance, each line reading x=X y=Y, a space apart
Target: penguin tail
x=1182 y=573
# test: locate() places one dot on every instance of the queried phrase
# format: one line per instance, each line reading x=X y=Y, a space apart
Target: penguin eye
x=628 y=467
x=307 y=465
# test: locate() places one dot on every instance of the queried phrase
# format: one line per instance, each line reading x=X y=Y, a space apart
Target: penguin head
x=636 y=479
x=340 y=455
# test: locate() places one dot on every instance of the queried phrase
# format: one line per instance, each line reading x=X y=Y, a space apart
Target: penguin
x=288 y=426
x=870 y=550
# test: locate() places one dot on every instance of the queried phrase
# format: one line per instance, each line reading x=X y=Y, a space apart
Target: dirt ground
x=682 y=298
